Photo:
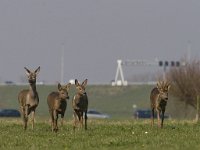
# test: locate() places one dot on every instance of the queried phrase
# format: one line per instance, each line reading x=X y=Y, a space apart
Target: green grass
x=101 y=134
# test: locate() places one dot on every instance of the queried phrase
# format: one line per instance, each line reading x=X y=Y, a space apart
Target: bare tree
x=186 y=83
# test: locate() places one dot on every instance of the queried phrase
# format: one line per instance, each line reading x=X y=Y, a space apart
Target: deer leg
x=77 y=117
x=81 y=119
x=22 y=110
x=55 y=115
x=56 y=122
x=152 y=116
x=52 y=119
x=25 y=117
x=158 y=116
x=163 y=113
x=62 y=119
x=33 y=119
x=85 y=120
x=75 y=120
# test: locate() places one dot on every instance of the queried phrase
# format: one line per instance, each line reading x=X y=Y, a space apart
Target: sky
x=93 y=34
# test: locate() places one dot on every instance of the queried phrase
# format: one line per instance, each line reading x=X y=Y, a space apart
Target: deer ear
x=37 y=70
x=68 y=86
x=27 y=71
x=59 y=86
x=84 y=82
x=76 y=82
x=158 y=85
x=168 y=87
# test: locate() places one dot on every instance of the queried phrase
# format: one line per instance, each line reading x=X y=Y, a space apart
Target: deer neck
x=32 y=90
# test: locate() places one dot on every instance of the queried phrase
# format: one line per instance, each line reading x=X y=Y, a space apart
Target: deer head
x=32 y=75
x=163 y=88
x=81 y=87
x=63 y=91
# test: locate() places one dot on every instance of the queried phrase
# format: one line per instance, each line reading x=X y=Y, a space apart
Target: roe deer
x=159 y=98
x=57 y=102
x=80 y=104
x=28 y=98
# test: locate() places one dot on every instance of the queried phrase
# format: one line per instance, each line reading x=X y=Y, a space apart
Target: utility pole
x=197 y=113
x=165 y=70
x=189 y=51
x=62 y=65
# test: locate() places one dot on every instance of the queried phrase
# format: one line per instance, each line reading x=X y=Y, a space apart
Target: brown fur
x=80 y=104
x=28 y=98
x=158 y=99
x=57 y=102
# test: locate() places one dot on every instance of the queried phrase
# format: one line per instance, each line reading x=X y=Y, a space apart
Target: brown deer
x=80 y=104
x=158 y=100
x=57 y=102
x=28 y=98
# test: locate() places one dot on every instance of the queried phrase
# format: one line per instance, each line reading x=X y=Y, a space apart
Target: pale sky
x=94 y=34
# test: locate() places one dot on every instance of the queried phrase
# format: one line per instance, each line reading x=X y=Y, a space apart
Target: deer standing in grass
x=57 y=102
x=159 y=98
x=80 y=104
x=28 y=98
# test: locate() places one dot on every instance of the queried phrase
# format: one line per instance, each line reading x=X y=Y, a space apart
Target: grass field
x=101 y=134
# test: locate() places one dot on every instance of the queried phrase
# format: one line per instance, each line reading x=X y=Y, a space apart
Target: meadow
x=121 y=131
x=101 y=134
